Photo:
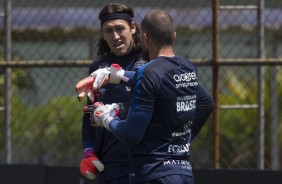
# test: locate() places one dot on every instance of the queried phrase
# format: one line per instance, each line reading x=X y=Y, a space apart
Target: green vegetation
x=48 y=133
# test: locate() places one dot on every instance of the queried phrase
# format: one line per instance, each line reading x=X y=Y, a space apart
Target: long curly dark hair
x=103 y=47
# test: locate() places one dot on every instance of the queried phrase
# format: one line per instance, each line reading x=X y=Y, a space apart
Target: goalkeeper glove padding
x=104 y=114
x=112 y=75
x=90 y=164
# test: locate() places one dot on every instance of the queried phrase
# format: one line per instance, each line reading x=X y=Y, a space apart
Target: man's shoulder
x=101 y=62
x=187 y=61
x=139 y=62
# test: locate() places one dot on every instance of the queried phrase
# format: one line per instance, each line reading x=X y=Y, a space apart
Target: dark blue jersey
x=107 y=148
x=158 y=125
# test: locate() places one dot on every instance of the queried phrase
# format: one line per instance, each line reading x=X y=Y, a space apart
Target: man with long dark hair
x=105 y=158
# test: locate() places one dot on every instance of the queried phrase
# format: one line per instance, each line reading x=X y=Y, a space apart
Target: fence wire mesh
x=46 y=116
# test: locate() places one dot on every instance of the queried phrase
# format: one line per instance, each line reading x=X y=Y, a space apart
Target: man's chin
x=119 y=52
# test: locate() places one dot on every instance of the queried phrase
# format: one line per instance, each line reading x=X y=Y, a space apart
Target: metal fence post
x=261 y=54
x=215 y=84
x=274 y=111
x=7 y=58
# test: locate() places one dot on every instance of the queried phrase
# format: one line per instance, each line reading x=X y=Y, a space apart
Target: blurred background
x=47 y=46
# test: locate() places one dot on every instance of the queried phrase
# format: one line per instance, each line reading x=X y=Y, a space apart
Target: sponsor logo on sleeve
x=104 y=65
x=140 y=63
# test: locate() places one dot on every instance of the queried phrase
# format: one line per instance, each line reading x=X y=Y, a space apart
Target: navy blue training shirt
x=107 y=148
x=158 y=125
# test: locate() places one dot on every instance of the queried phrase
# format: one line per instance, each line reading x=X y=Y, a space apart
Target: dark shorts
x=120 y=180
x=173 y=179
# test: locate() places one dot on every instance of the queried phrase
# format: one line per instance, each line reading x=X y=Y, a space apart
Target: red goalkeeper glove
x=90 y=164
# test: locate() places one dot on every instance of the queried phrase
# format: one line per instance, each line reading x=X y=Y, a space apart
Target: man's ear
x=133 y=28
x=145 y=38
x=174 y=36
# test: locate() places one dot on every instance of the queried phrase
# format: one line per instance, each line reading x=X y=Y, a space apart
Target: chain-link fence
x=236 y=45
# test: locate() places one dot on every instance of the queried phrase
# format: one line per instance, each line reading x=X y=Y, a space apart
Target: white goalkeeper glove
x=104 y=114
x=113 y=75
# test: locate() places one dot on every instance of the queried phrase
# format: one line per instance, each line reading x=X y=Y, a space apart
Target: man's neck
x=166 y=51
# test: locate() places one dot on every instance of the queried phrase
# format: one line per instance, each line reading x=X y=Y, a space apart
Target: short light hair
x=158 y=25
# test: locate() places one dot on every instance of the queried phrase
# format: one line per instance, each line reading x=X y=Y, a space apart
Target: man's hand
x=102 y=76
x=90 y=109
x=90 y=164
x=104 y=114
x=85 y=86
x=97 y=79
